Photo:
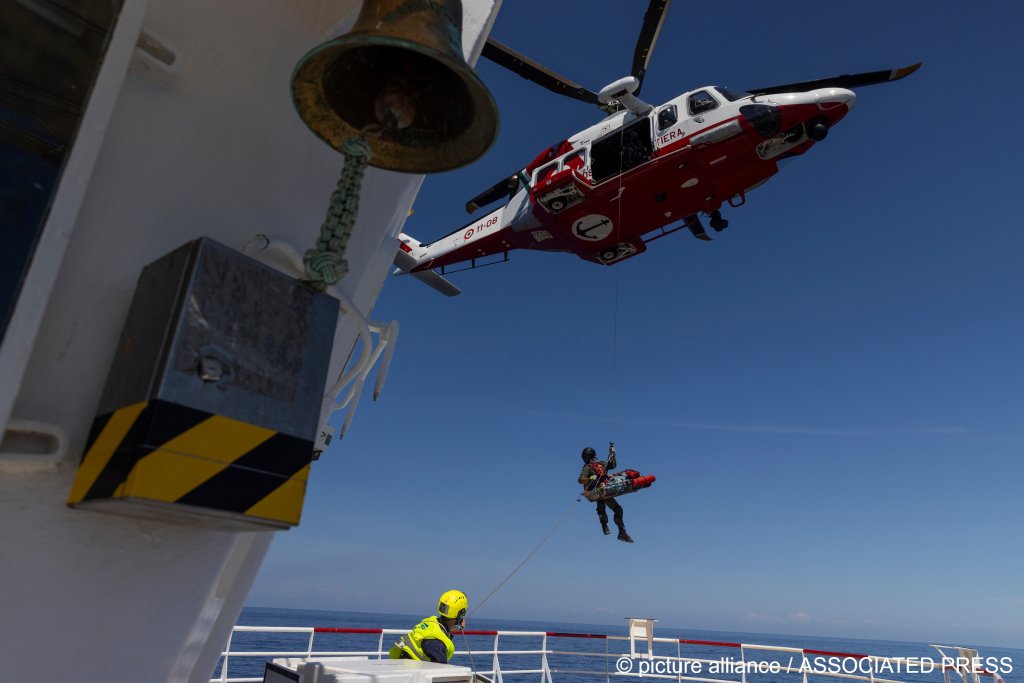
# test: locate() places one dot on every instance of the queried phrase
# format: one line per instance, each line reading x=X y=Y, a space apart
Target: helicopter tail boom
x=405 y=262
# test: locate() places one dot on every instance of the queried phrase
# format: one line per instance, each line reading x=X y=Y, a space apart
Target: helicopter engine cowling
x=621 y=91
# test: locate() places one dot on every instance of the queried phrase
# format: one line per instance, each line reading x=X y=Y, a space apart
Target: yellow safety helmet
x=453 y=605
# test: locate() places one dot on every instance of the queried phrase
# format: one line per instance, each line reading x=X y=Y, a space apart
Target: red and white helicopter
x=644 y=171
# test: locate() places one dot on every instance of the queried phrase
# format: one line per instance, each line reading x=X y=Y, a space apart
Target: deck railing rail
x=746 y=661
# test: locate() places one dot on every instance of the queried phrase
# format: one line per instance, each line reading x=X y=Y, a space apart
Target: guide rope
x=526 y=559
x=533 y=552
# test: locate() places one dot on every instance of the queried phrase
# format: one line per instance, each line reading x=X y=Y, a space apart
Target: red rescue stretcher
x=619 y=484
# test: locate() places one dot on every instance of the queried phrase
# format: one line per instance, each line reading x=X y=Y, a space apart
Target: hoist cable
x=615 y=297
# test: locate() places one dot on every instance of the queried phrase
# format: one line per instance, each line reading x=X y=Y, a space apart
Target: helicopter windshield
x=732 y=95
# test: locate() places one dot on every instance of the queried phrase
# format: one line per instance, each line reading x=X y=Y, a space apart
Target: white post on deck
x=497 y=664
x=641 y=628
x=545 y=674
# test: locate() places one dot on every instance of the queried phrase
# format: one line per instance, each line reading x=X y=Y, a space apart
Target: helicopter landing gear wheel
x=817 y=129
x=717 y=222
x=556 y=204
x=609 y=255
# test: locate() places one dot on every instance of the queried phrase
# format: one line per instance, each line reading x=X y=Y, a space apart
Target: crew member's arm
x=585 y=475
x=435 y=650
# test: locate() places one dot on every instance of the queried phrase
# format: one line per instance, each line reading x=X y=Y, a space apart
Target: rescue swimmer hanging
x=602 y=484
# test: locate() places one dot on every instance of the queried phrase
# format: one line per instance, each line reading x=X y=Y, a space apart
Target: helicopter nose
x=830 y=98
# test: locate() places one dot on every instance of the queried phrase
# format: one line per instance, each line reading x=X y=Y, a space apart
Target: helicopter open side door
x=621 y=150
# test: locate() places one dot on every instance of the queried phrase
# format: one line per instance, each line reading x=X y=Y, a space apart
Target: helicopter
x=643 y=172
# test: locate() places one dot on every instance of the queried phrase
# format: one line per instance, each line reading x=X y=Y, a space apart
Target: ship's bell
x=399 y=77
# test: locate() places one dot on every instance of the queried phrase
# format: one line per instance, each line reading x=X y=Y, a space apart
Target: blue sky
x=829 y=392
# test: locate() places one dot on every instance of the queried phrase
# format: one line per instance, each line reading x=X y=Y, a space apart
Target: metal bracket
x=28 y=446
x=155 y=58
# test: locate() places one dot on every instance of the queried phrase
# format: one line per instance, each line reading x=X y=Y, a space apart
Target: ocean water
x=581 y=661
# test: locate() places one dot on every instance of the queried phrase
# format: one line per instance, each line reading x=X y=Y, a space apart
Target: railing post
x=803 y=660
x=309 y=648
x=227 y=652
x=743 y=665
x=545 y=671
x=607 y=675
x=497 y=664
x=380 y=645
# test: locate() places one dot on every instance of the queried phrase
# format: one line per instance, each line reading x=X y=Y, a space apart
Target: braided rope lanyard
x=325 y=264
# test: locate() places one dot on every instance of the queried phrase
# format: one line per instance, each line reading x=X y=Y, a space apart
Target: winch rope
x=615 y=299
x=615 y=343
x=325 y=264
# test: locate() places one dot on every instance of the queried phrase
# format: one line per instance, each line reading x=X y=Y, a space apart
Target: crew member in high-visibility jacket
x=431 y=639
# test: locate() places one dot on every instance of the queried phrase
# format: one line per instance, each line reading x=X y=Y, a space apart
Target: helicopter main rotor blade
x=500 y=190
x=532 y=71
x=848 y=81
x=654 y=19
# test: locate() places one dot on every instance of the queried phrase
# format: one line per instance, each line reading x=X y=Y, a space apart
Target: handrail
x=692 y=669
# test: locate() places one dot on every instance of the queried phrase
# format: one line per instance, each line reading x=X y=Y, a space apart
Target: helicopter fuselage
x=609 y=190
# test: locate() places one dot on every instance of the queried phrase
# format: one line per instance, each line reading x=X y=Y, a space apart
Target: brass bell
x=399 y=77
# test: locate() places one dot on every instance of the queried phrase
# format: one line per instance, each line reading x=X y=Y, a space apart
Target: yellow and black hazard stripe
x=162 y=451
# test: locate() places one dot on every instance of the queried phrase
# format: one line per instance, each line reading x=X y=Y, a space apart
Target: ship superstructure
x=177 y=124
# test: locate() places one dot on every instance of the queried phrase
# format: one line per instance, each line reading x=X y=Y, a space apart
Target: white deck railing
x=742 y=660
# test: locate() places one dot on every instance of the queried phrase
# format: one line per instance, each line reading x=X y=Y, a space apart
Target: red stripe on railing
x=834 y=654
x=710 y=642
x=475 y=633
x=556 y=634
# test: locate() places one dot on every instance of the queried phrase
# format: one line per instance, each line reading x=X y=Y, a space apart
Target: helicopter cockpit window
x=621 y=150
x=732 y=95
x=667 y=117
x=701 y=102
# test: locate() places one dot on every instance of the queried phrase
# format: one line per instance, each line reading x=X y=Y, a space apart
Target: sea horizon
x=662 y=628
